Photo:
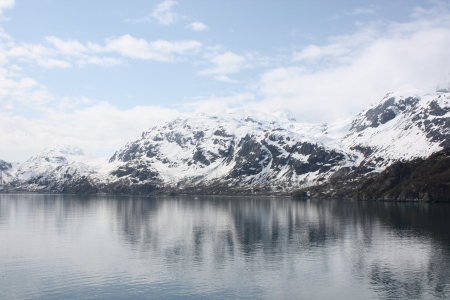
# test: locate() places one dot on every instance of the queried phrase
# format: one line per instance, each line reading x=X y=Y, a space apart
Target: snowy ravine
x=238 y=152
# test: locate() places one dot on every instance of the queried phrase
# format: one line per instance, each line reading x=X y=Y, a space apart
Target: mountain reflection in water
x=104 y=247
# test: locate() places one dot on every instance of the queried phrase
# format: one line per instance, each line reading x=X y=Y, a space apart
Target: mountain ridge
x=247 y=153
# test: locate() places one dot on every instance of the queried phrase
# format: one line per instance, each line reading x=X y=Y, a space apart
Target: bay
x=187 y=247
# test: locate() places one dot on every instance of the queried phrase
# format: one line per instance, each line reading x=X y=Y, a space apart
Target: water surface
x=105 y=247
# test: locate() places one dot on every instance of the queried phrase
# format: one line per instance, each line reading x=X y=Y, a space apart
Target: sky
x=96 y=74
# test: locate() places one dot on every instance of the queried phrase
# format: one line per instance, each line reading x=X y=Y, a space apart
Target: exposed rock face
x=4 y=165
x=5 y=173
x=242 y=153
x=404 y=125
x=231 y=151
x=380 y=114
x=416 y=180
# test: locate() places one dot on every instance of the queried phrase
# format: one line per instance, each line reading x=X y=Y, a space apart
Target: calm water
x=103 y=247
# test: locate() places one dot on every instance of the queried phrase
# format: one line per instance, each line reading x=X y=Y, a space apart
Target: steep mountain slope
x=407 y=123
x=6 y=173
x=249 y=152
x=4 y=165
x=230 y=150
x=415 y=180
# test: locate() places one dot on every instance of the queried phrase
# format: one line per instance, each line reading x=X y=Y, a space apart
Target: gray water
x=104 y=247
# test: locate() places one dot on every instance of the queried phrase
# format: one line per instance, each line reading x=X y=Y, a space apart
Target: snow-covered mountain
x=46 y=170
x=407 y=123
x=6 y=172
x=248 y=152
x=232 y=150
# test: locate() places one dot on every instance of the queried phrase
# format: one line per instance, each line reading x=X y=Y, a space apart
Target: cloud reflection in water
x=227 y=247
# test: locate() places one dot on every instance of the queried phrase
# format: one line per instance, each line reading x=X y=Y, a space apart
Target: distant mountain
x=47 y=170
x=249 y=152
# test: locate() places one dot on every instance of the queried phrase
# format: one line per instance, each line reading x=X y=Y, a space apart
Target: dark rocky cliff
x=416 y=180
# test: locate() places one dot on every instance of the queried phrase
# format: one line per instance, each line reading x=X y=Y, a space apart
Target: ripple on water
x=56 y=247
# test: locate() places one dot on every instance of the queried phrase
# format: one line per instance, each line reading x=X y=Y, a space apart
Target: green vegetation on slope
x=416 y=180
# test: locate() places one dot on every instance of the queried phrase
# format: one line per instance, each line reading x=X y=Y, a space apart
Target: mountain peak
x=407 y=90
x=444 y=85
x=65 y=149
x=60 y=155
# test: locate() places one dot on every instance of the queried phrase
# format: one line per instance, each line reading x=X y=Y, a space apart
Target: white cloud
x=59 y=53
x=226 y=63
x=197 y=26
x=136 y=48
x=5 y=4
x=30 y=51
x=353 y=71
x=348 y=73
x=180 y=47
x=126 y=45
x=340 y=48
x=97 y=126
x=21 y=90
x=63 y=53
x=100 y=61
x=53 y=63
x=314 y=52
x=70 y=47
x=163 y=13
x=39 y=54
x=361 y=11
x=357 y=11
x=225 y=78
x=439 y=7
x=160 y=50
x=72 y=103
x=216 y=104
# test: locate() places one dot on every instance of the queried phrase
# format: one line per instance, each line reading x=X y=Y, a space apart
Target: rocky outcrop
x=4 y=165
x=416 y=180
